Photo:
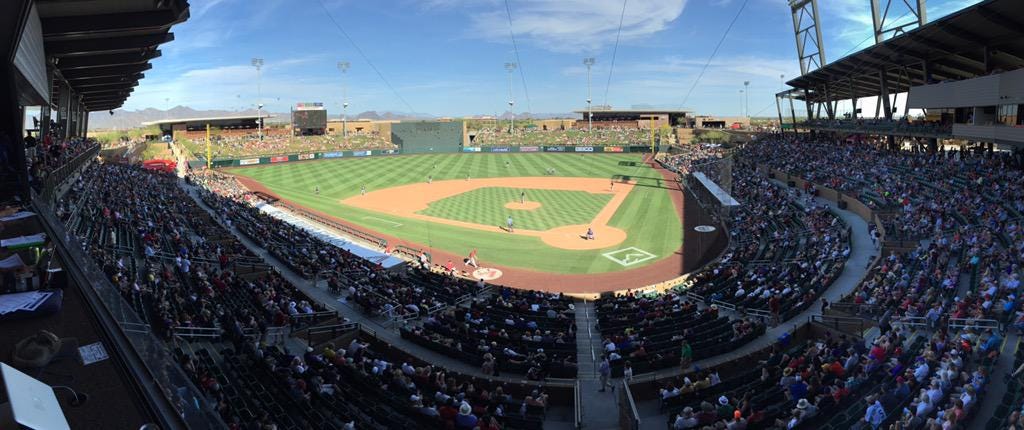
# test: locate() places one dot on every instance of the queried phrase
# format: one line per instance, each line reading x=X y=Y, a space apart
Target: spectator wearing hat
x=725 y=408
x=465 y=420
x=807 y=409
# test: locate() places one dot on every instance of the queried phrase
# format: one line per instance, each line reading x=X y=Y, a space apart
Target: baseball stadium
x=229 y=243
x=523 y=211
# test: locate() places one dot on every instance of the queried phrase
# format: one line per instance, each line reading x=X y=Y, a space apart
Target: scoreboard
x=309 y=118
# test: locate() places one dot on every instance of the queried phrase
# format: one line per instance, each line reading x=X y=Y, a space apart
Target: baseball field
x=455 y=203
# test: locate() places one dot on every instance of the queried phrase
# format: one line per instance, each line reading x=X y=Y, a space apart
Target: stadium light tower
x=511 y=102
x=343 y=66
x=258 y=63
x=746 y=101
x=742 y=114
x=589 y=61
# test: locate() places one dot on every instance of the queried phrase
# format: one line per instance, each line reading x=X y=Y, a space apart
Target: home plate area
x=487 y=274
x=629 y=256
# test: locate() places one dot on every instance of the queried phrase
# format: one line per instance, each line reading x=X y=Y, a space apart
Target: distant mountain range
x=125 y=119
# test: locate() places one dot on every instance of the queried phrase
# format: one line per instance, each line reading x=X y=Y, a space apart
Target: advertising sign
x=529 y=149
x=307 y=156
x=279 y=159
x=554 y=148
x=584 y=149
x=613 y=149
x=500 y=149
x=471 y=149
x=360 y=153
x=336 y=154
x=248 y=161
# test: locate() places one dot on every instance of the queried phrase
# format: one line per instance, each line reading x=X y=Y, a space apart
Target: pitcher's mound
x=528 y=206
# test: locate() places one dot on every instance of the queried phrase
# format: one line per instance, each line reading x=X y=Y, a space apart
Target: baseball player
x=362 y=190
x=317 y=190
x=471 y=261
x=590 y=233
x=510 y=224
x=522 y=197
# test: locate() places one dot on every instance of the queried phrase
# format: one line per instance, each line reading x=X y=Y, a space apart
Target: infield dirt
x=407 y=200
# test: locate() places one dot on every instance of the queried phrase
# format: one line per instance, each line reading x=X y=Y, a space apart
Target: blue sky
x=446 y=57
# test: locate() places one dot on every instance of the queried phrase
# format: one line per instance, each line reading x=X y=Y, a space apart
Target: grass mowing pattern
x=647 y=215
x=487 y=206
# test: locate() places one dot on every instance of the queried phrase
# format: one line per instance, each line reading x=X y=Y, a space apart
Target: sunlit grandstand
x=853 y=260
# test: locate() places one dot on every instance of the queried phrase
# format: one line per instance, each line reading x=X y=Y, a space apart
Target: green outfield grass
x=487 y=206
x=647 y=215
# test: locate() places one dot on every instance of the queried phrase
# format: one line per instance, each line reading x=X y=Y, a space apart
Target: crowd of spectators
x=901 y=125
x=962 y=211
x=243 y=145
x=611 y=136
x=355 y=386
x=49 y=153
x=527 y=332
x=904 y=379
x=170 y=260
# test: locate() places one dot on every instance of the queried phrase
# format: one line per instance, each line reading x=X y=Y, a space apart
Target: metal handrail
x=634 y=414
x=972 y=323
x=578 y=405
x=835 y=321
x=196 y=332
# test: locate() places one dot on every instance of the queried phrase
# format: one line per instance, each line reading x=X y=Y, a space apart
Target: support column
x=13 y=18
x=886 y=105
x=778 y=109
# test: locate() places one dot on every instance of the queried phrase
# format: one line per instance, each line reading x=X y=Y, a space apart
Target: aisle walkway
x=600 y=410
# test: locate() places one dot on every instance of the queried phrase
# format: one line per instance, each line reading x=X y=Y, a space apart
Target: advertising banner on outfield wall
x=500 y=149
x=390 y=151
x=307 y=156
x=584 y=149
x=248 y=161
x=279 y=159
x=529 y=149
x=361 y=153
x=335 y=154
x=613 y=149
x=471 y=149
x=553 y=149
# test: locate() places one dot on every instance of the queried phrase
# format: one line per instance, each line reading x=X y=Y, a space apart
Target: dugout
x=428 y=137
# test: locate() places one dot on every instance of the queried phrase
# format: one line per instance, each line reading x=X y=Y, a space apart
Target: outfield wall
x=428 y=137
x=274 y=159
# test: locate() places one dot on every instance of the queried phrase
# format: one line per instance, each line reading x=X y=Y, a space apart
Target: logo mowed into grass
x=629 y=256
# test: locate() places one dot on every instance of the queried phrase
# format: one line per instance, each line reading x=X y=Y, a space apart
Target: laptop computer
x=31 y=404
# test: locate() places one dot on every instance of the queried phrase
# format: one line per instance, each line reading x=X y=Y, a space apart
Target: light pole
x=746 y=101
x=511 y=102
x=258 y=63
x=742 y=114
x=343 y=66
x=589 y=61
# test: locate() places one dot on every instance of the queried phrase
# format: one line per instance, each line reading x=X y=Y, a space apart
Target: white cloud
x=571 y=25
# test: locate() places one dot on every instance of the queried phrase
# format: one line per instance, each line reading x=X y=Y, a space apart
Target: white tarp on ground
x=331 y=237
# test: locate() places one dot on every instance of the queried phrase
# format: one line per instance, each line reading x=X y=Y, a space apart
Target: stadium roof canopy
x=627 y=111
x=972 y=42
x=211 y=119
x=101 y=47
